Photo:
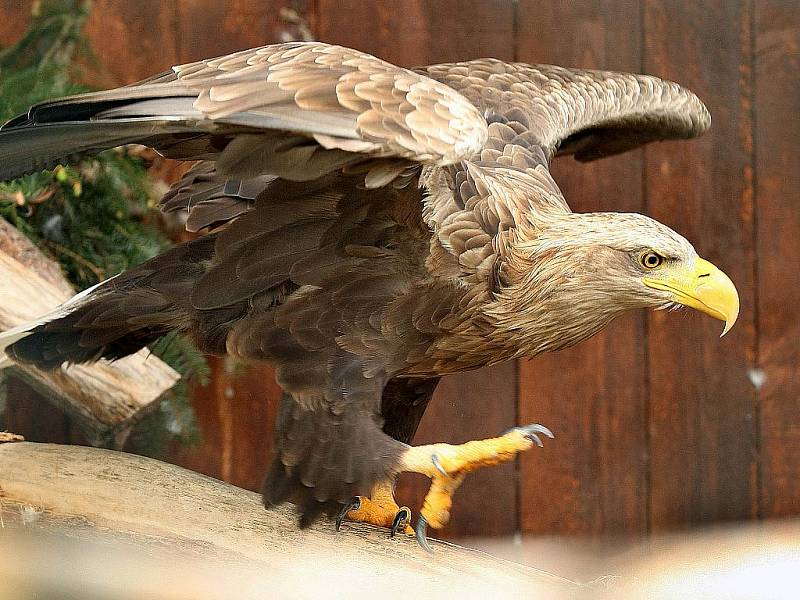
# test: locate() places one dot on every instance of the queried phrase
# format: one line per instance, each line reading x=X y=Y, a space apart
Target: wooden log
x=105 y=399
x=149 y=529
x=15 y=245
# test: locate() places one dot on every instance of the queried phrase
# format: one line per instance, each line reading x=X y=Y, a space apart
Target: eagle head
x=572 y=273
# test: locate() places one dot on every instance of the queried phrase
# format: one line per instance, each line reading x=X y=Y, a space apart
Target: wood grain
x=207 y=28
x=592 y=478
x=703 y=412
x=777 y=104
x=131 y=40
x=201 y=538
x=418 y=32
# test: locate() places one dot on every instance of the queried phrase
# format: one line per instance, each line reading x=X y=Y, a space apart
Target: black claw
x=421 y=531
x=530 y=431
x=354 y=504
x=402 y=517
x=438 y=465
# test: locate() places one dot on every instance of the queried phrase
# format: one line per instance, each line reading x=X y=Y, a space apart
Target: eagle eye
x=651 y=260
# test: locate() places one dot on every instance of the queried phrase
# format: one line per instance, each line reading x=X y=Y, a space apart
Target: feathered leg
x=402 y=406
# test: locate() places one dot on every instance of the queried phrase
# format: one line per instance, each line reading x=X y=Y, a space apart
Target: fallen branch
x=149 y=529
x=105 y=399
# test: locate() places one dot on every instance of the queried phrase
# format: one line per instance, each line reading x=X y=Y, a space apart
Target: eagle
x=367 y=229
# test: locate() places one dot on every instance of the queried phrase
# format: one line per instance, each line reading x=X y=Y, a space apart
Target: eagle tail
x=11 y=336
x=118 y=316
x=99 y=326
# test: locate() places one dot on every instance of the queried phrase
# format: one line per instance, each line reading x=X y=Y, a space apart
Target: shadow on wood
x=124 y=526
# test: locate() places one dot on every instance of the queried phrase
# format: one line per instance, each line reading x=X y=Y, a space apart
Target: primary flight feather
x=368 y=229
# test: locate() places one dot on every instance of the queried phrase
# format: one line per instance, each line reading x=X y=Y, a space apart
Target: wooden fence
x=659 y=424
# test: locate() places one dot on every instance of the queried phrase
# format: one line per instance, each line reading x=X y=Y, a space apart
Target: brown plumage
x=370 y=229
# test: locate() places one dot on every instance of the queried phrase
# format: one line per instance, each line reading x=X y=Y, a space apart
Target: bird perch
x=105 y=399
x=219 y=538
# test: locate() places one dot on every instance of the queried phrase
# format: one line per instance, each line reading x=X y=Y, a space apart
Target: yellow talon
x=447 y=466
x=380 y=509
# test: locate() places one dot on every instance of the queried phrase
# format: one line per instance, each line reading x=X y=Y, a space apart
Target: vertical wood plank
x=703 y=428
x=592 y=478
x=16 y=16
x=419 y=32
x=777 y=91
x=30 y=415
x=471 y=405
x=208 y=28
x=235 y=414
x=131 y=40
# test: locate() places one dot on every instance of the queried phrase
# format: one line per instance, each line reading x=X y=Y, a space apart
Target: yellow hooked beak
x=703 y=287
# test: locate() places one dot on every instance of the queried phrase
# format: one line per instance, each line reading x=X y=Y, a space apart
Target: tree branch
x=190 y=536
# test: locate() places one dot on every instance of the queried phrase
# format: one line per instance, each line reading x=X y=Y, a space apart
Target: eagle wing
x=296 y=110
x=524 y=116
x=483 y=131
x=589 y=114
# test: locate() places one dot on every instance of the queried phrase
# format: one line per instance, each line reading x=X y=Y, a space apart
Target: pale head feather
x=568 y=277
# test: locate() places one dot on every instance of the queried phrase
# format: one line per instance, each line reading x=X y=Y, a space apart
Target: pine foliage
x=98 y=217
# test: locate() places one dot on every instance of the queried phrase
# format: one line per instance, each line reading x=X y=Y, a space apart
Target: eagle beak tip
x=728 y=327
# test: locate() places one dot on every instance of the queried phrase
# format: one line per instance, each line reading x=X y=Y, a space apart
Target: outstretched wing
x=533 y=112
x=336 y=94
x=296 y=110
x=587 y=113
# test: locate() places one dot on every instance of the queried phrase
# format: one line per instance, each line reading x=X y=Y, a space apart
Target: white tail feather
x=20 y=331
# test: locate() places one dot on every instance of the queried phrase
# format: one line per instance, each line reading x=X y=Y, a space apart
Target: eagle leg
x=447 y=466
x=379 y=509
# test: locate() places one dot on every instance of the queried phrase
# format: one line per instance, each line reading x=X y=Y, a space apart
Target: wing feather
x=403 y=113
x=536 y=112
x=587 y=113
x=359 y=106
